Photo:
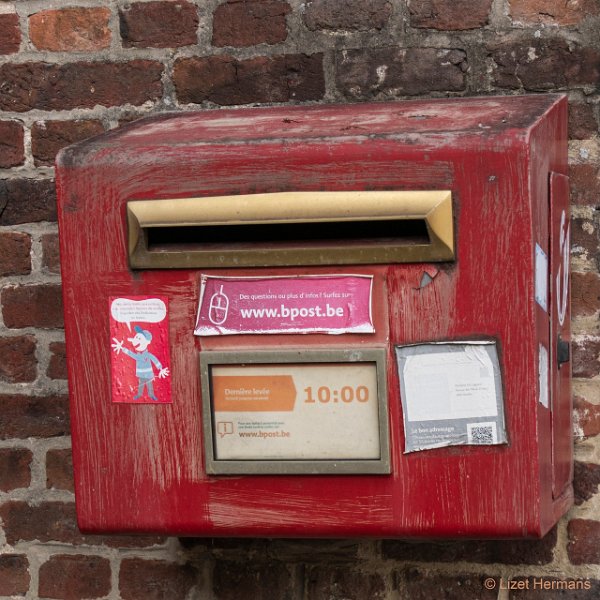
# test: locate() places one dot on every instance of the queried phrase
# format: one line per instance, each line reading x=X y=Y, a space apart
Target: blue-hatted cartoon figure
x=143 y=361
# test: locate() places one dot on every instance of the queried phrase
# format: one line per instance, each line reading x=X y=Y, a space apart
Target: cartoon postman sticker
x=139 y=330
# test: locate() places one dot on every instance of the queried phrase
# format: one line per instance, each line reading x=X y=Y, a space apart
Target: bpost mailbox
x=322 y=320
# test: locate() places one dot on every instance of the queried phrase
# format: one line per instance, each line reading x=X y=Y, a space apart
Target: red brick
x=45 y=522
x=14 y=575
x=449 y=16
x=545 y=64
x=585 y=242
x=430 y=585
x=157 y=580
x=552 y=12
x=27 y=201
x=585 y=294
x=74 y=577
x=585 y=184
x=249 y=23
x=366 y=73
x=509 y=552
x=352 y=15
x=12 y=150
x=586 y=479
x=585 y=353
x=59 y=470
x=18 y=363
x=15 y=253
x=584 y=542
x=50 y=252
x=48 y=137
x=229 y=577
x=582 y=123
x=78 y=85
x=587 y=417
x=15 y=468
x=56 y=522
x=70 y=29
x=32 y=306
x=33 y=416
x=10 y=33
x=226 y=80
x=57 y=368
x=158 y=24
x=324 y=583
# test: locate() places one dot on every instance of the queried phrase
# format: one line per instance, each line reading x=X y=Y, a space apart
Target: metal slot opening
x=293 y=228
x=413 y=231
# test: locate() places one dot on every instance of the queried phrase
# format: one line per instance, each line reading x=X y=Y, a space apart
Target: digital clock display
x=297 y=409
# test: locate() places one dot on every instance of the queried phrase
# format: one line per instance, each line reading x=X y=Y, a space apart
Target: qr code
x=482 y=433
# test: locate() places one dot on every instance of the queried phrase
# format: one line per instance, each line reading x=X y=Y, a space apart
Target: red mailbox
x=322 y=320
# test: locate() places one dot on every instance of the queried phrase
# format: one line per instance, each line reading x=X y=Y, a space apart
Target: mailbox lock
x=563 y=351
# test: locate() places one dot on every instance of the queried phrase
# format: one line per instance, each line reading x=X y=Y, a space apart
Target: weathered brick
x=47 y=521
x=325 y=583
x=156 y=580
x=583 y=545
x=14 y=575
x=158 y=24
x=449 y=16
x=545 y=64
x=509 y=552
x=15 y=253
x=585 y=352
x=15 y=468
x=57 y=367
x=71 y=29
x=78 y=85
x=33 y=416
x=59 y=469
x=226 y=80
x=552 y=12
x=18 y=363
x=421 y=585
x=74 y=577
x=27 y=201
x=366 y=73
x=586 y=479
x=56 y=522
x=585 y=240
x=585 y=294
x=586 y=417
x=12 y=150
x=50 y=252
x=582 y=123
x=249 y=23
x=48 y=137
x=37 y=305
x=553 y=588
x=10 y=33
x=585 y=184
x=352 y=15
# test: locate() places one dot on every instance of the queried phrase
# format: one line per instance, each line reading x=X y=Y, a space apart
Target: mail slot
x=321 y=321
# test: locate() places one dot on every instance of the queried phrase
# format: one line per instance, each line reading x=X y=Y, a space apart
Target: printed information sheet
x=301 y=411
x=451 y=395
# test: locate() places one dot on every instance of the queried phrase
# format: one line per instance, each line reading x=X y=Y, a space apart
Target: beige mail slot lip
x=372 y=217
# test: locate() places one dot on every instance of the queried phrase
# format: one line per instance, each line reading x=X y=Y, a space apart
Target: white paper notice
x=451 y=394
x=450 y=385
x=541 y=277
x=543 y=372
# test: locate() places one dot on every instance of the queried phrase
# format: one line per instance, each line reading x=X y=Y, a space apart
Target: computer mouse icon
x=218 y=307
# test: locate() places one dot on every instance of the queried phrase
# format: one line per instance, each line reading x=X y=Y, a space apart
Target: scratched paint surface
x=140 y=467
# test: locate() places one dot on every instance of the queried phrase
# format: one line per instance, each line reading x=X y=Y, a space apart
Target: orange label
x=256 y=393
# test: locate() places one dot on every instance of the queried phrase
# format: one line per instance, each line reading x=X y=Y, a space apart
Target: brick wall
x=69 y=70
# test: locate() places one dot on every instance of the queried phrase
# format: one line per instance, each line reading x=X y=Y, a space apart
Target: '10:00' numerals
x=346 y=394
